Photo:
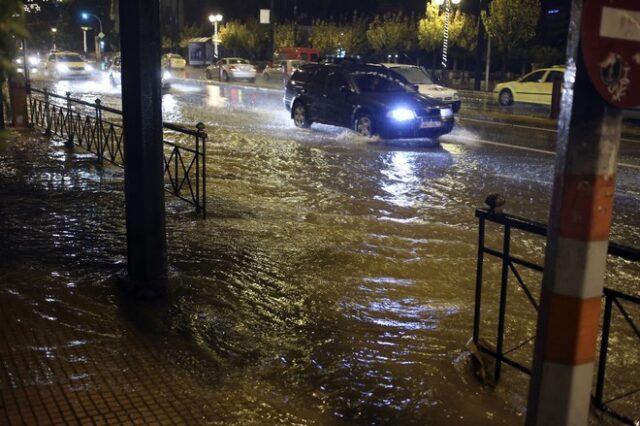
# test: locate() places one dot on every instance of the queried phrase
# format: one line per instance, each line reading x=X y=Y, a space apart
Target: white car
x=66 y=65
x=173 y=61
x=115 y=73
x=425 y=85
x=232 y=69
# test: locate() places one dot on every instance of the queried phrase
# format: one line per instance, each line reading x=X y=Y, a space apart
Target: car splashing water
x=332 y=281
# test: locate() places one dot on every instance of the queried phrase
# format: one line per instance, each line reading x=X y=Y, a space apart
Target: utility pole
x=600 y=67
x=143 y=147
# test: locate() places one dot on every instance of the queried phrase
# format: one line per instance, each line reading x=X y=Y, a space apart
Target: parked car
x=273 y=70
x=535 y=87
x=173 y=61
x=115 y=72
x=62 y=64
x=370 y=99
x=232 y=69
x=419 y=77
x=289 y=67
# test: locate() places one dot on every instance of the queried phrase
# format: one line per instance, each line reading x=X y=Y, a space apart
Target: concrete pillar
x=143 y=148
x=579 y=223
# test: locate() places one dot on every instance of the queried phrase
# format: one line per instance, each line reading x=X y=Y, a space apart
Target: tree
x=353 y=35
x=325 y=36
x=284 y=35
x=511 y=23
x=431 y=28
x=187 y=33
x=232 y=36
x=12 y=29
x=391 y=33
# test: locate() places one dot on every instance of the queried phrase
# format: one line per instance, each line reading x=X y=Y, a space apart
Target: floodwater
x=333 y=279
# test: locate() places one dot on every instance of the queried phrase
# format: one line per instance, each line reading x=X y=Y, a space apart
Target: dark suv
x=369 y=99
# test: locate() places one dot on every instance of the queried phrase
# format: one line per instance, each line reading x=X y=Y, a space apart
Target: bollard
x=18 y=97
x=556 y=96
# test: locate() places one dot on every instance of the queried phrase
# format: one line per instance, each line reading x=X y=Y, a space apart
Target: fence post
x=98 y=138
x=604 y=347
x=476 y=310
x=47 y=113
x=200 y=137
x=70 y=132
x=503 y=299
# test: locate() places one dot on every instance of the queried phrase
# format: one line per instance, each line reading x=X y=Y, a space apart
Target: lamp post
x=84 y=37
x=445 y=40
x=86 y=16
x=53 y=34
x=214 y=19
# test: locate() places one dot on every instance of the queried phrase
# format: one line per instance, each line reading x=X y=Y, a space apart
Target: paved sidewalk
x=69 y=353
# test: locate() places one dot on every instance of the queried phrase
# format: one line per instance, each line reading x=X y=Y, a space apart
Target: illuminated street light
x=85 y=16
x=53 y=34
x=214 y=19
x=84 y=37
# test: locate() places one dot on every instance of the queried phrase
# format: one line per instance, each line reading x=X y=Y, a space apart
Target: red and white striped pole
x=575 y=262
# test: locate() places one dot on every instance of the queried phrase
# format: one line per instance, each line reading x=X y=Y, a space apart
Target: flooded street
x=332 y=281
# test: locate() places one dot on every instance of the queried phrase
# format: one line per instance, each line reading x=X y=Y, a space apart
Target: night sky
x=197 y=10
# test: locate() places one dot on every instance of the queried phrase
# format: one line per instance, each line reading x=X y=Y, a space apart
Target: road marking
x=524 y=148
x=542 y=129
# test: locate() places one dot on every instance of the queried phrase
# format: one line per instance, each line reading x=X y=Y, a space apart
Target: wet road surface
x=333 y=279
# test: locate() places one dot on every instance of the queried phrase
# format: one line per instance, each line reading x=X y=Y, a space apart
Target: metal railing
x=512 y=265
x=98 y=129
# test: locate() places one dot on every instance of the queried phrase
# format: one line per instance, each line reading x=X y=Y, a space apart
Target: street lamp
x=84 y=37
x=214 y=19
x=53 y=34
x=86 y=16
x=445 y=41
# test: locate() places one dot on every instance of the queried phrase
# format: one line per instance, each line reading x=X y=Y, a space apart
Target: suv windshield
x=70 y=57
x=414 y=75
x=377 y=82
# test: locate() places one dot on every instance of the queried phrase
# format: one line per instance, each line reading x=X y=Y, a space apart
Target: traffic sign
x=101 y=34
x=611 y=49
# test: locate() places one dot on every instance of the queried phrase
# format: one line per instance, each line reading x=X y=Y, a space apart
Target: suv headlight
x=62 y=67
x=401 y=114
x=166 y=75
x=88 y=67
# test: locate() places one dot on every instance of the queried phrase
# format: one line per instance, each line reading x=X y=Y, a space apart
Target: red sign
x=611 y=49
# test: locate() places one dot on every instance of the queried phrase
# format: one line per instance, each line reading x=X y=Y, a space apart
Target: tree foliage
x=353 y=36
x=325 y=36
x=283 y=35
x=187 y=33
x=12 y=30
x=431 y=28
x=511 y=23
x=391 y=33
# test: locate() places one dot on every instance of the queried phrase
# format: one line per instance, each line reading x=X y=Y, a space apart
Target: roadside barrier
x=625 y=338
x=98 y=129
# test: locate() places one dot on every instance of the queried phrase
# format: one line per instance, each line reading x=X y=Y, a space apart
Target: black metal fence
x=515 y=266
x=98 y=129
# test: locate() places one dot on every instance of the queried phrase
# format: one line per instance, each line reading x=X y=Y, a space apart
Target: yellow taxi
x=535 y=87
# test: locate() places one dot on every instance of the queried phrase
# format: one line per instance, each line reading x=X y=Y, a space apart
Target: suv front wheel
x=364 y=125
x=300 y=115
